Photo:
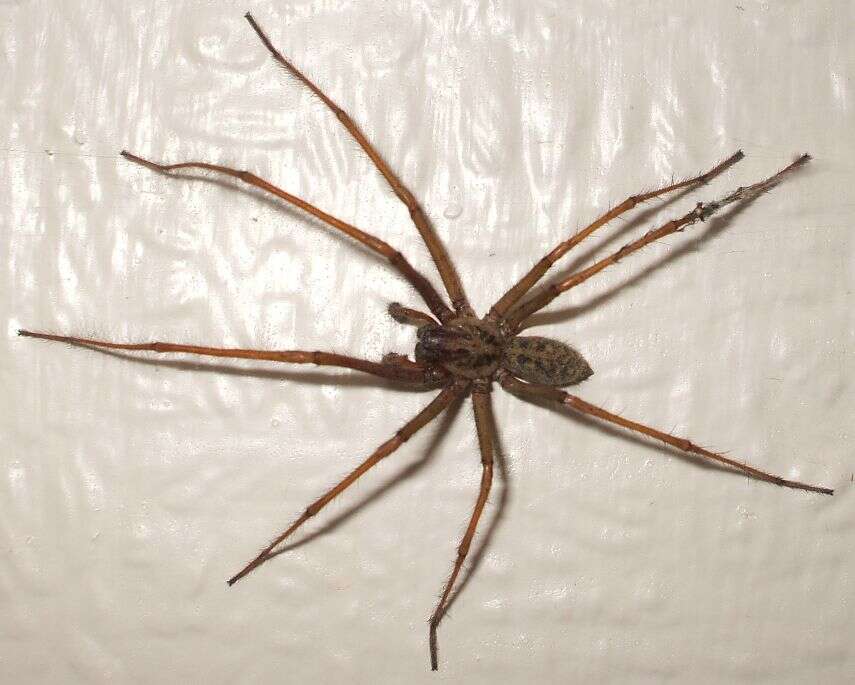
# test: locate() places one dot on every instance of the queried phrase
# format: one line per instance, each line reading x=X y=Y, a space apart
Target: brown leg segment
x=576 y=403
x=429 y=294
x=416 y=374
x=437 y=251
x=701 y=212
x=484 y=425
x=510 y=298
x=425 y=416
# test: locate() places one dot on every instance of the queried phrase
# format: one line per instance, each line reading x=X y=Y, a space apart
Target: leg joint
x=686 y=445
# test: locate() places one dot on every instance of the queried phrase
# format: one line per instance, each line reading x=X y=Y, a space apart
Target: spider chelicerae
x=459 y=353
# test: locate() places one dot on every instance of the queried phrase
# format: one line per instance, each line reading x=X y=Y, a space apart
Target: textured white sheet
x=131 y=489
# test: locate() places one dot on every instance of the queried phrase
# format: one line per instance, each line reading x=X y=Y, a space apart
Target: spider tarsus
x=250 y=567
x=634 y=200
x=810 y=488
x=434 y=646
x=246 y=570
x=748 y=193
x=131 y=157
x=42 y=336
x=793 y=484
x=162 y=168
x=726 y=164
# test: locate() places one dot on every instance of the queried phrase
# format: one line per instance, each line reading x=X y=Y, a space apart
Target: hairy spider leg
x=424 y=417
x=536 y=391
x=482 y=407
x=701 y=212
x=412 y=373
x=527 y=282
x=444 y=265
x=429 y=294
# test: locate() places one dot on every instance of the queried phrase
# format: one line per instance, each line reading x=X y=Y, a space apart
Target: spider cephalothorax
x=456 y=351
x=476 y=349
x=466 y=347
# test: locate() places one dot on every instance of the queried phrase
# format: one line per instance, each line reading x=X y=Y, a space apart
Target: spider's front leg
x=702 y=211
x=527 y=282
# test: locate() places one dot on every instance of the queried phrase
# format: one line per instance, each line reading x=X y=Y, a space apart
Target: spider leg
x=510 y=298
x=701 y=212
x=449 y=276
x=533 y=390
x=484 y=426
x=411 y=373
x=429 y=294
x=425 y=416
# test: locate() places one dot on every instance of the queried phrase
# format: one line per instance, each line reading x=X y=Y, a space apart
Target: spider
x=458 y=353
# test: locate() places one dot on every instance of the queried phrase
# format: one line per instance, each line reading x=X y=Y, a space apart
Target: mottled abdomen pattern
x=544 y=361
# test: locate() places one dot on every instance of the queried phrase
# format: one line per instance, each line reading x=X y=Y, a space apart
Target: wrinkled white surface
x=130 y=490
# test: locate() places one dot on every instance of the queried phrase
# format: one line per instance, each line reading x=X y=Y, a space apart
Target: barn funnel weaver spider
x=459 y=353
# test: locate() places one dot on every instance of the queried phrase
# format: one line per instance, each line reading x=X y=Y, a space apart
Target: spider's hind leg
x=543 y=392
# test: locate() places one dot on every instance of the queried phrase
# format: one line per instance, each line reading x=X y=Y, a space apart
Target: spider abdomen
x=545 y=361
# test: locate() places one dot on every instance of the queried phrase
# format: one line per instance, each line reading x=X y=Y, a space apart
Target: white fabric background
x=131 y=489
